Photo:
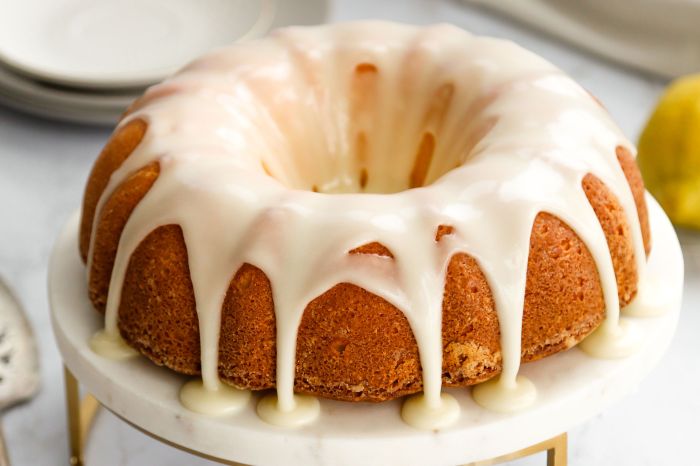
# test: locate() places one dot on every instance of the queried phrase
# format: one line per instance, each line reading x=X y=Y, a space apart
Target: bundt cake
x=363 y=211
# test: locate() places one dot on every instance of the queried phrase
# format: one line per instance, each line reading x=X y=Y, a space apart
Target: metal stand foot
x=80 y=415
x=556 y=449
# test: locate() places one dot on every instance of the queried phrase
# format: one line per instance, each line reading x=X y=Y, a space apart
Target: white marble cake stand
x=572 y=387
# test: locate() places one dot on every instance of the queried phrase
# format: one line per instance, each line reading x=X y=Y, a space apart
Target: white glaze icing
x=222 y=401
x=346 y=109
x=111 y=345
x=653 y=294
x=305 y=410
x=505 y=396
x=616 y=342
x=417 y=412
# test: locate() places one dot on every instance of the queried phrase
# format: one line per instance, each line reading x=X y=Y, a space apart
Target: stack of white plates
x=87 y=60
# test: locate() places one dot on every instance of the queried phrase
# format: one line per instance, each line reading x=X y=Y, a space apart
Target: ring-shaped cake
x=364 y=211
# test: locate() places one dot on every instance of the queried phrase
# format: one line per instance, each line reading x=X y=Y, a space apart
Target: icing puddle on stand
x=220 y=401
x=418 y=412
x=616 y=341
x=502 y=397
x=483 y=163
x=304 y=410
x=111 y=346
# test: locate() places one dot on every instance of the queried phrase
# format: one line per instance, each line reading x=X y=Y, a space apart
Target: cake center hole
x=380 y=137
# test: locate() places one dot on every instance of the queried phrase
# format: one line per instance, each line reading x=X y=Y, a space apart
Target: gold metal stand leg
x=555 y=447
x=557 y=453
x=80 y=416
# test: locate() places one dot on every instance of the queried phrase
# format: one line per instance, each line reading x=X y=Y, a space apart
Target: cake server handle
x=4 y=458
x=19 y=364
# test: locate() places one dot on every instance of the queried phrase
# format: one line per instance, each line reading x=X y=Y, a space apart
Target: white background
x=43 y=168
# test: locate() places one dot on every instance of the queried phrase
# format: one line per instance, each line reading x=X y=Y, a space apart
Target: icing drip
x=613 y=341
x=423 y=414
x=110 y=345
x=305 y=409
x=652 y=297
x=649 y=301
x=221 y=401
x=505 y=395
x=249 y=133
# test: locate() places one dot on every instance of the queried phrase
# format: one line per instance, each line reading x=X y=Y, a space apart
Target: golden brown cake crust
x=352 y=345
x=118 y=148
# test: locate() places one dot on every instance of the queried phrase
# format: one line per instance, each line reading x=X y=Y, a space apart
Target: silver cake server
x=19 y=363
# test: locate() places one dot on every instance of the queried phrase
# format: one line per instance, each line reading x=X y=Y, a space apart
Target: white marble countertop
x=43 y=167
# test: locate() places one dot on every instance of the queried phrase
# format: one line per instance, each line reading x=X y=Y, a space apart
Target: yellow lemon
x=669 y=152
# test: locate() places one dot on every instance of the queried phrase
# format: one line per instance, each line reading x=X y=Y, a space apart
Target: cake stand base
x=572 y=387
x=81 y=413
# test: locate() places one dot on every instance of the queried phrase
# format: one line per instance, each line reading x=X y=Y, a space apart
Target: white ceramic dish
x=102 y=44
x=32 y=97
x=572 y=388
x=659 y=37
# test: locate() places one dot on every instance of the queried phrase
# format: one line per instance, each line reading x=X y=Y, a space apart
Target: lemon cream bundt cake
x=360 y=212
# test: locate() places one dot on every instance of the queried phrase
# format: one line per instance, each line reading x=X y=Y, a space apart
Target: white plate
x=572 y=387
x=32 y=97
x=132 y=43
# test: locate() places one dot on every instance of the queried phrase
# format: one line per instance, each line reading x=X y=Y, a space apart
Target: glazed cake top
x=290 y=151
